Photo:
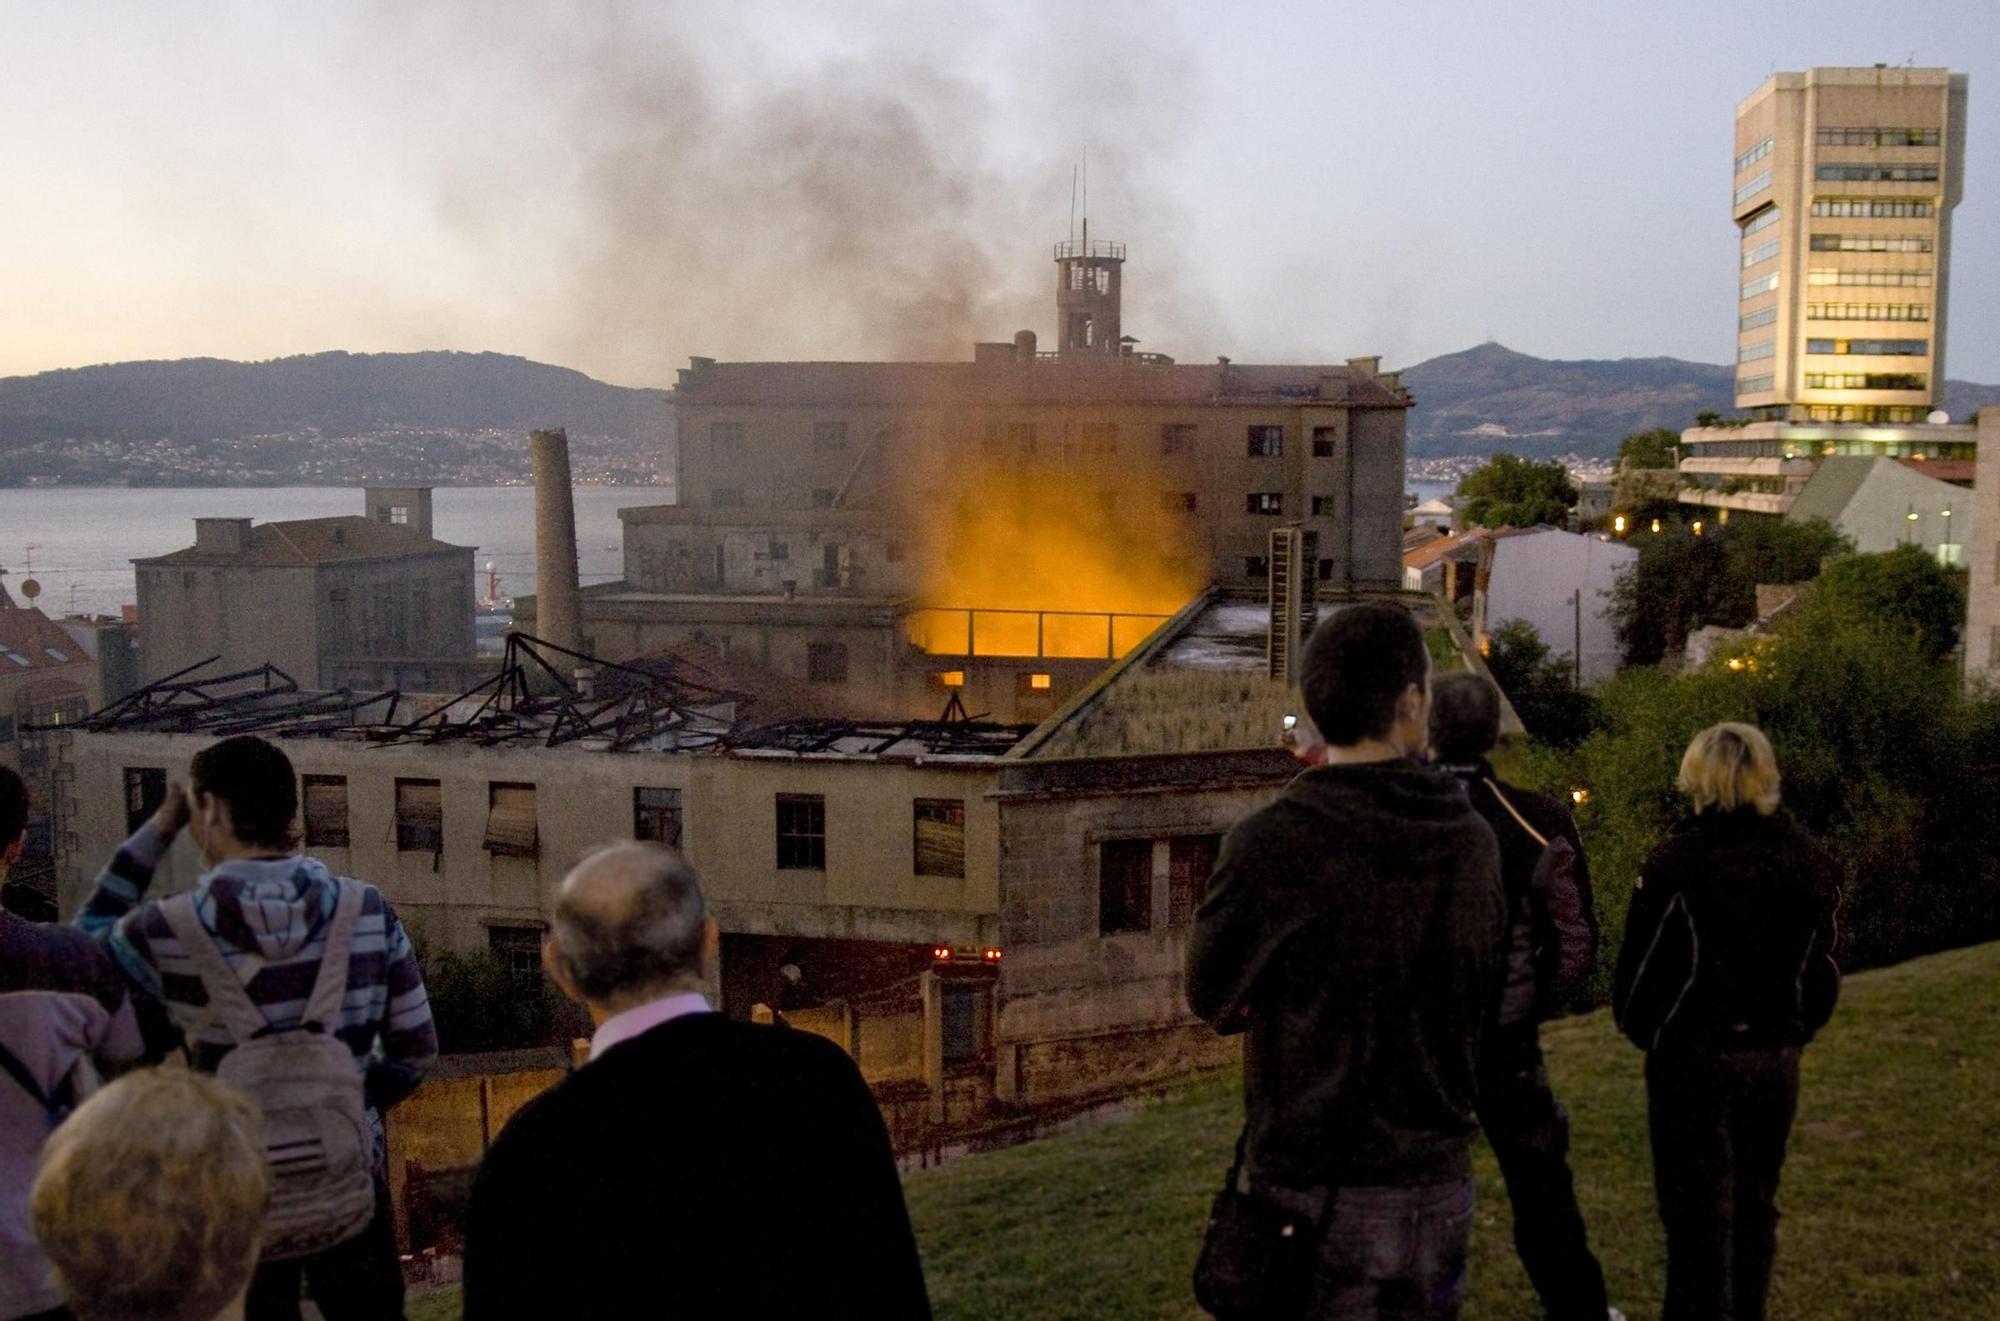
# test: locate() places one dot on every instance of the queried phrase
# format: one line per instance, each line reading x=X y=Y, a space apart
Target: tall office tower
x=1845 y=181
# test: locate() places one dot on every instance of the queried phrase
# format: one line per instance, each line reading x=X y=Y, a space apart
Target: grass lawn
x=1891 y=1208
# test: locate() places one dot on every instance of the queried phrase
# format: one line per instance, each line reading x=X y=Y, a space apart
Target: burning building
x=1001 y=528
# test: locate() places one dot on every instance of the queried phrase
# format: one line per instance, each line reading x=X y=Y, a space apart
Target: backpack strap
x=1520 y=820
x=228 y=1002
x=330 y=987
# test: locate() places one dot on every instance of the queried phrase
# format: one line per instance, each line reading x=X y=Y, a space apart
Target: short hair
x=1731 y=765
x=1356 y=665
x=256 y=780
x=1465 y=716
x=150 y=1198
x=650 y=943
x=13 y=807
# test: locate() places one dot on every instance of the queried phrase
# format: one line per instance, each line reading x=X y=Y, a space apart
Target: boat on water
x=492 y=616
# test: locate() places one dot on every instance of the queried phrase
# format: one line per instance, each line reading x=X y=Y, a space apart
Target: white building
x=1561 y=584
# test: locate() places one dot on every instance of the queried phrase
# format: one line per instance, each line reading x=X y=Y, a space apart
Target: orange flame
x=1062 y=563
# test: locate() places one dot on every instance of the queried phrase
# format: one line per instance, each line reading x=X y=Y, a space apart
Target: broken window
x=1256 y=566
x=145 y=790
x=656 y=815
x=1323 y=442
x=419 y=816
x=510 y=821
x=1190 y=860
x=801 y=832
x=1325 y=570
x=1265 y=502
x=1178 y=437
x=1267 y=442
x=940 y=836
x=1322 y=506
x=829 y=436
x=1124 y=886
x=326 y=811
x=826 y=662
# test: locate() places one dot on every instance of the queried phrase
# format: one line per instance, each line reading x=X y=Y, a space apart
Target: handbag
x=1258 y=1252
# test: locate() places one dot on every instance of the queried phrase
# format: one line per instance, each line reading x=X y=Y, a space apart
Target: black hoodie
x=1354 y=928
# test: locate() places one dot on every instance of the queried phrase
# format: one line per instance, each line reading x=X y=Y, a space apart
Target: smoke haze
x=649 y=185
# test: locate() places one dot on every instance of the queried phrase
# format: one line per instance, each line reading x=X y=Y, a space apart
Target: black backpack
x=1563 y=948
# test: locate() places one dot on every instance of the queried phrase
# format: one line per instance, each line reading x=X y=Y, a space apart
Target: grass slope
x=1888 y=1193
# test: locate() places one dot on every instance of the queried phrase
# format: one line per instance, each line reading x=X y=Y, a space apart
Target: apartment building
x=1844 y=182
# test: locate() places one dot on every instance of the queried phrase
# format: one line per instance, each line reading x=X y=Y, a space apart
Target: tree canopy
x=1510 y=491
x=1653 y=449
x=1684 y=580
x=1540 y=685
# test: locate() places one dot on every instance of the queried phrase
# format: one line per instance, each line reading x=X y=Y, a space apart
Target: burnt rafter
x=540 y=695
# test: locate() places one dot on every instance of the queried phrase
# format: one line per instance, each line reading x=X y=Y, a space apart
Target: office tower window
x=1852 y=278
x=1754 y=187
x=1762 y=252
x=1761 y=286
x=1889 y=348
x=1867 y=381
x=1856 y=172
x=1763 y=348
x=1870 y=243
x=1752 y=156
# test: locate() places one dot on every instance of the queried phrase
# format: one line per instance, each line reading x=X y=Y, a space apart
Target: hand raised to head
x=171 y=816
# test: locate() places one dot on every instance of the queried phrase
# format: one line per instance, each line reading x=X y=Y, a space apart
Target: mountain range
x=1491 y=399
x=1483 y=400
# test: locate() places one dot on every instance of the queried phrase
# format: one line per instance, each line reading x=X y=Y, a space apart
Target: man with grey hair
x=642 y=1184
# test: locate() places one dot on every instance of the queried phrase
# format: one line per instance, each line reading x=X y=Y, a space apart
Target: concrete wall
x=1080 y=1012
x=245 y=615
x=869 y=889
x=920 y=449
x=294 y=617
x=1533 y=578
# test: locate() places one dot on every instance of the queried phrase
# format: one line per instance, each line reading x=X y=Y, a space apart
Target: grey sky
x=614 y=188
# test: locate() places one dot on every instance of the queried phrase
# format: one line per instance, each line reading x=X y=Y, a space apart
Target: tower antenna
x=1072 y=204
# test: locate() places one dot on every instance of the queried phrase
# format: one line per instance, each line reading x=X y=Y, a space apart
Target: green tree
x=1541 y=686
x=1684 y=580
x=1708 y=417
x=1653 y=449
x=480 y=1004
x=1904 y=590
x=1510 y=491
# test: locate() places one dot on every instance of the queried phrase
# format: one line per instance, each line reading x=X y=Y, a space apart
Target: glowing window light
x=952 y=678
x=1039 y=681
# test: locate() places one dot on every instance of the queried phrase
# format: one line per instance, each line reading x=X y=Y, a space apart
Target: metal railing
x=1050 y=634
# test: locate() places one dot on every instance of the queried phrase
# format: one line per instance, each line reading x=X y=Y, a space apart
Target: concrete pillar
x=558 y=606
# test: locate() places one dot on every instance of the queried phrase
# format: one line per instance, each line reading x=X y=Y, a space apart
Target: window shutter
x=419 y=816
x=326 y=811
x=940 y=837
x=510 y=821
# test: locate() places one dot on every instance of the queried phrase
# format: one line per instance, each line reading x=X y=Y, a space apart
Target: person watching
x=642 y=1184
x=1551 y=947
x=65 y=1017
x=1727 y=971
x=150 y=1200
x=240 y=958
x=1353 y=929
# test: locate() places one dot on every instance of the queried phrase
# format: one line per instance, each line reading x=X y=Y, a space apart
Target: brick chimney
x=558 y=603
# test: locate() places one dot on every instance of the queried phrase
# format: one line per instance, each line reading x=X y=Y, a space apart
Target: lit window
x=1039 y=681
x=1265 y=502
x=951 y=678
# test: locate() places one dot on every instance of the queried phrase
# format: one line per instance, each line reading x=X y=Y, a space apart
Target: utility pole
x=1576 y=657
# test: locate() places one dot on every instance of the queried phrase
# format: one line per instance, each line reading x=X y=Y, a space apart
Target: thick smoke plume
x=651 y=183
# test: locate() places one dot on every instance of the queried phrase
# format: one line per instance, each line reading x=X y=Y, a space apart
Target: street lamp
x=1618 y=525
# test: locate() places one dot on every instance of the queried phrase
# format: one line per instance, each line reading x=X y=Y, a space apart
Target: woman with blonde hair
x=1726 y=972
x=150 y=1199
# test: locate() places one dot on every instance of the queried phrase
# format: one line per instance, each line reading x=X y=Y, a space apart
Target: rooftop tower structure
x=1088 y=280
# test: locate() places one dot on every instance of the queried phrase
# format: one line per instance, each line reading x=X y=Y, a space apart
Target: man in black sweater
x=1551 y=949
x=1353 y=929
x=643 y=1184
